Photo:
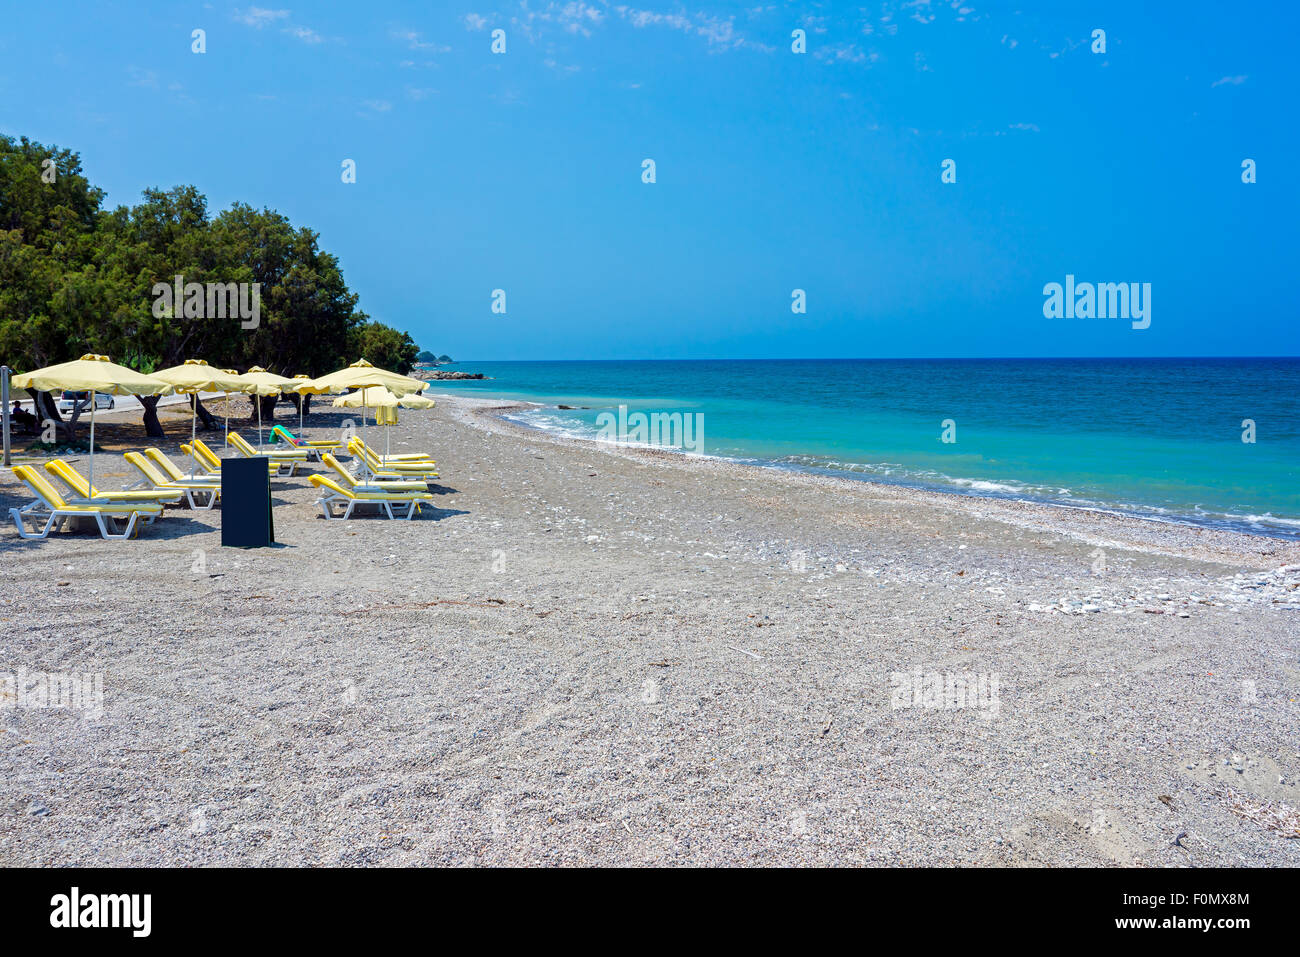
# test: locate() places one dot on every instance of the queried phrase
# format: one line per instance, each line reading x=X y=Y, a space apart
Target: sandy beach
x=596 y=655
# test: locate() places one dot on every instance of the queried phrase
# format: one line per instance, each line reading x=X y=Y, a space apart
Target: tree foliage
x=77 y=278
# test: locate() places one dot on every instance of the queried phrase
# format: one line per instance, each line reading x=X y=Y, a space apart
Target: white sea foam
x=555 y=422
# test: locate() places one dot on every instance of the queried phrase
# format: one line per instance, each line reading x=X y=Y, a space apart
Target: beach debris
x=1270 y=815
x=744 y=652
x=37 y=809
x=1166 y=800
x=489 y=603
x=1178 y=841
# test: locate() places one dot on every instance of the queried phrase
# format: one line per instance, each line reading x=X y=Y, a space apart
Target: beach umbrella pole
x=194 y=410
x=91 y=483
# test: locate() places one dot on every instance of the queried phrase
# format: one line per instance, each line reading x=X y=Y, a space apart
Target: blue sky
x=775 y=170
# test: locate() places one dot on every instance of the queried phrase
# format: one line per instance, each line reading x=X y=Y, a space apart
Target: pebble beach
x=587 y=654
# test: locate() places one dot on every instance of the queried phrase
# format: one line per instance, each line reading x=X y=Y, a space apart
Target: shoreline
x=1172 y=537
x=1226 y=522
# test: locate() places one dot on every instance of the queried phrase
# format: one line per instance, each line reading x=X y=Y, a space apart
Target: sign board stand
x=246 y=519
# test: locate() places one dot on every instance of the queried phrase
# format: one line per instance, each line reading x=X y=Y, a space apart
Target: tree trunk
x=268 y=409
x=205 y=417
x=301 y=403
x=152 y=427
x=47 y=410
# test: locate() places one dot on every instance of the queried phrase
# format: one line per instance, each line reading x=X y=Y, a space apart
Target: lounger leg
x=194 y=503
x=130 y=527
x=22 y=531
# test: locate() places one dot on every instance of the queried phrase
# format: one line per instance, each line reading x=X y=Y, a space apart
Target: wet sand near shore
x=590 y=655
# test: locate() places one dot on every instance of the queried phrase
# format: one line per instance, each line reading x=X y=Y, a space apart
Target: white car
x=70 y=400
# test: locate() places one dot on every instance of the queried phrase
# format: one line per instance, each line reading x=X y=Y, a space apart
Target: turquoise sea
x=1155 y=437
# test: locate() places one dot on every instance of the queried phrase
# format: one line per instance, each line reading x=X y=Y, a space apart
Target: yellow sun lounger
x=49 y=505
x=402 y=457
x=287 y=459
x=207 y=462
x=333 y=494
x=174 y=475
x=83 y=493
x=380 y=482
x=207 y=459
x=411 y=469
x=313 y=447
x=156 y=480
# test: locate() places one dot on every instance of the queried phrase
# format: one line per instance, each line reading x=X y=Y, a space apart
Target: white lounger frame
x=55 y=519
x=329 y=499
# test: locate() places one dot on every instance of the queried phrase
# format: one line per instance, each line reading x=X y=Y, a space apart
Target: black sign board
x=246 y=520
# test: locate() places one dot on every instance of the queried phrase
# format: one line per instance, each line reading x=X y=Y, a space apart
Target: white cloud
x=259 y=17
x=573 y=17
x=413 y=40
x=846 y=53
x=141 y=77
x=305 y=34
x=1230 y=80
x=475 y=22
x=717 y=31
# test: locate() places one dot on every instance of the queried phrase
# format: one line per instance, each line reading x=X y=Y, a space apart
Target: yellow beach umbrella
x=383 y=401
x=92 y=373
x=270 y=384
x=362 y=375
x=194 y=376
x=249 y=388
x=305 y=386
x=377 y=397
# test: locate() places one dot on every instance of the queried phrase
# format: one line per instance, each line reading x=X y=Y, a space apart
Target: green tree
x=75 y=278
x=383 y=346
